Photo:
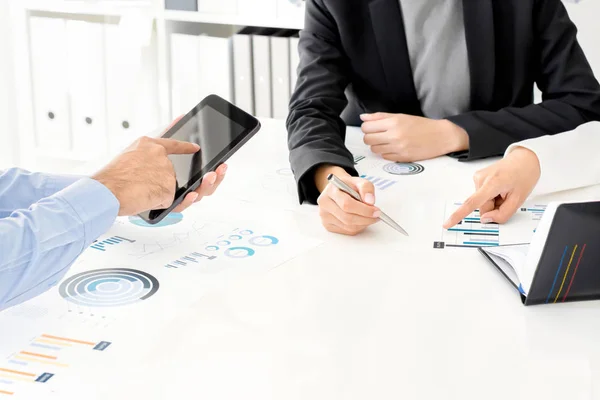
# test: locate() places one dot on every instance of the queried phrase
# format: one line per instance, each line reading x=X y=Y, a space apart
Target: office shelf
x=97 y=8
x=225 y=19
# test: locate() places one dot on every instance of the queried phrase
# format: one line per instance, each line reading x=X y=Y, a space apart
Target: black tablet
x=220 y=129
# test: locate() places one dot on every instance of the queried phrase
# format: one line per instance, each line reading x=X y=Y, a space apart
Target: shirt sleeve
x=38 y=244
x=20 y=188
x=568 y=160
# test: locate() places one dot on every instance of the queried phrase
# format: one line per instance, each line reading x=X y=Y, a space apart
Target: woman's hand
x=501 y=188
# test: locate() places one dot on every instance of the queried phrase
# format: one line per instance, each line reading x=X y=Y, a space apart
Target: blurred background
x=81 y=79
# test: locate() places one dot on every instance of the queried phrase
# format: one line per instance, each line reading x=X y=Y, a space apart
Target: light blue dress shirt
x=46 y=222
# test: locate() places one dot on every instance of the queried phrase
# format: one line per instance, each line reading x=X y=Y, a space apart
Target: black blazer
x=359 y=47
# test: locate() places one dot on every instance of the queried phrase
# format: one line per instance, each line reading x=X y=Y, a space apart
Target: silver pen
x=347 y=189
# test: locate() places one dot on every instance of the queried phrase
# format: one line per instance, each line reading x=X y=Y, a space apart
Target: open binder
x=562 y=263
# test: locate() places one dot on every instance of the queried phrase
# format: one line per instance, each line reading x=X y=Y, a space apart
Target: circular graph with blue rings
x=403 y=168
x=263 y=241
x=111 y=287
x=239 y=252
x=171 y=219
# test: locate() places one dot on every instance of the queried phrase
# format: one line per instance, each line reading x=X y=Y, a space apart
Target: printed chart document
x=471 y=232
x=125 y=289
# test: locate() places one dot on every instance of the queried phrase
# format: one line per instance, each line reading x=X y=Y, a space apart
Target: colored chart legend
x=102 y=245
x=379 y=183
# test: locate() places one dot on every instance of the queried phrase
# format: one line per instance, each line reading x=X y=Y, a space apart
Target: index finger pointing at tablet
x=178 y=147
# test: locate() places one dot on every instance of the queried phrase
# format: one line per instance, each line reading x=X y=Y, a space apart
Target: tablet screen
x=213 y=132
x=219 y=128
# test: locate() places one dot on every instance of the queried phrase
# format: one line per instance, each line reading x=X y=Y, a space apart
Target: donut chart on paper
x=109 y=287
x=403 y=168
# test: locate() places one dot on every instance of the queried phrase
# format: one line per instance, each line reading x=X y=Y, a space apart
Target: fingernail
x=377 y=214
x=486 y=220
x=196 y=145
x=223 y=169
x=213 y=179
x=369 y=198
x=363 y=116
x=194 y=196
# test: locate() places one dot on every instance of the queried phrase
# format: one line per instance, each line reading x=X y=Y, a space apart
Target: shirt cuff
x=544 y=185
x=95 y=205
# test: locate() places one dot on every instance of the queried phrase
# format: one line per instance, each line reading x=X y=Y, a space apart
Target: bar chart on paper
x=102 y=245
x=379 y=183
x=471 y=232
x=28 y=371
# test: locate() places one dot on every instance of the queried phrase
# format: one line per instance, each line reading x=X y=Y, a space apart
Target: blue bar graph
x=379 y=183
x=192 y=258
x=102 y=245
x=17 y=362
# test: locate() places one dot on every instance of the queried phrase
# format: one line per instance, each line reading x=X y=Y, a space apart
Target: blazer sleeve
x=568 y=160
x=571 y=94
x=316 y=132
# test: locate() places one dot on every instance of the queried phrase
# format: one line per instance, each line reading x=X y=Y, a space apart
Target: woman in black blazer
x=428 y=78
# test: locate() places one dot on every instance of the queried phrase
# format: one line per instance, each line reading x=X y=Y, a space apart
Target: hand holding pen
x=339 y=210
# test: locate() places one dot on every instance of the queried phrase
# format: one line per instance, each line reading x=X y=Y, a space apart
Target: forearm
x=39 y=244
x=20 y=188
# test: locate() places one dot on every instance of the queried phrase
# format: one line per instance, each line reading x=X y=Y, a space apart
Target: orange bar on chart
x=17 y=372
x=38 y=355
x=5 y=392
x=68 y=340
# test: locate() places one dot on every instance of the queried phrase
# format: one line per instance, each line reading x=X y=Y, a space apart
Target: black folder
x=569 y=266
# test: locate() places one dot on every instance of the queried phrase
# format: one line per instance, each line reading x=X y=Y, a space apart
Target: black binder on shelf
x=562 y=263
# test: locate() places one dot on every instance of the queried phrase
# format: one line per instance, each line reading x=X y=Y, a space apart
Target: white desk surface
x=378 y=316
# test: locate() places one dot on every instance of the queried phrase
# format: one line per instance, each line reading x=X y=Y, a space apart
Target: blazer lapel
x=479 y=30
x=388 y=27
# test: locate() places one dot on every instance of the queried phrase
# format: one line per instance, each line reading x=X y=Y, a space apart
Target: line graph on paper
x=471 y=232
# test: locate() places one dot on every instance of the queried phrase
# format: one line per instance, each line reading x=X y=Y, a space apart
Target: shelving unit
x=163 y=22
x=223 y=19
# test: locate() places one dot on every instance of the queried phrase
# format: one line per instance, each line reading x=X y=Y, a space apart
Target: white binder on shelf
x=85 y=66
x=280 y=74
x=294 y=62
x=242 y=71
x=131 y=89
x=185 y=76
x=261 y=9
x=291 y=10
x=227 y=7
x=50 y=84
x=215 y=71
x=261 y=46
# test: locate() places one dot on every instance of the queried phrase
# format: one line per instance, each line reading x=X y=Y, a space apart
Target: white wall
x=585 y=15
x=7 y=99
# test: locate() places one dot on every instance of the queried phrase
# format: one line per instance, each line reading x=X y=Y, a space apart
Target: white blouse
x=568 y=160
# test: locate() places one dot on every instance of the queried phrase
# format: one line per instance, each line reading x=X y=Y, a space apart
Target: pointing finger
x=471 y=204
x=178 y=147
